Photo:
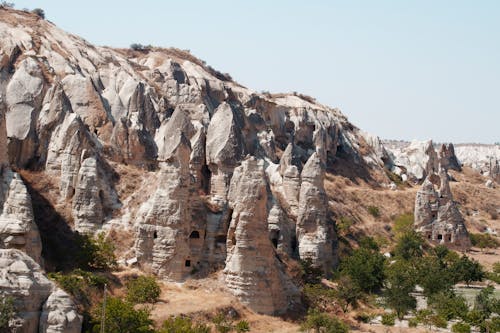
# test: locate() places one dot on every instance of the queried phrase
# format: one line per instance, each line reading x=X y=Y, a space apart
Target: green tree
x=96 y=253
x=467 y=270
x=365 y=267
x=486 y=302
x=309 y=272
x=348 y=293
x=122 y=317
x=7 y=312
x=319 y=322
x=433 y=276
x=143 y=289
x=400 y=282
x=181 y=324
x=448 y=305
x=409 y=245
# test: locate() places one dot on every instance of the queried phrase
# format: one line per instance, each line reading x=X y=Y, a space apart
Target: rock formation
x=87 y=116
x=23 y=279
x=437 y=216
x=315 y=233
x=253 y=271
x=447 y=157
x=418 y=159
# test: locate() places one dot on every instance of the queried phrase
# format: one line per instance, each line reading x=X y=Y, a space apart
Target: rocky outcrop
x=177 y=130
x=437 y=216
x=59 y=314
x=315 y=233
x=448 y=159
x=163 y=226
x=224 y=150
x=253 y=271
x=418 y=160
x=23 y=279
x=17 y=226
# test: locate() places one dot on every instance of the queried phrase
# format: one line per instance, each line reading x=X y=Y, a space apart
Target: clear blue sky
x=399 y=69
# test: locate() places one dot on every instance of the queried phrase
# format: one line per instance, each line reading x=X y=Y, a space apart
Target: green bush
x=39 y=12
x=483 y=241
x=448 y=305
x=364 y=317
x=122 y=317
x=181 y=324
x=321 y=322
x=310 y=273
x=318 y=296
x=460 y=328
x=143 y=289
x=388 y=319
x=78 y=283
x=348 y=293
x=222 y=323
x=7 y=312
x=96 y=253
x=373 y=211
x=343 y=224
x=413 y=322
x=365 y=267
x=403 y=223
x=242 y=326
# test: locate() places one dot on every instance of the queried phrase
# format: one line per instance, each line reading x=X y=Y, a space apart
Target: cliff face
x=230 y=178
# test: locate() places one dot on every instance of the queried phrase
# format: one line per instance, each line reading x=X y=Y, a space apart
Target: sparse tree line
x=365 y=276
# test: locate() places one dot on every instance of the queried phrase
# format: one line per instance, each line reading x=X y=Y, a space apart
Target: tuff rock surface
x=437 y=216
x=253 y=271
x=41 y=306
x=79 y=114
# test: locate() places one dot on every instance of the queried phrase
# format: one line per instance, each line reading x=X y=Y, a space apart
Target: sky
x=400 y=69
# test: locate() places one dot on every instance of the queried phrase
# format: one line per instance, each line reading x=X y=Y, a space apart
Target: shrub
x=181 y=324
x=364 y=317
x=321 y=322
x=439 y=321
x=318 y=296
x=403 y=223
x=348 y=293
x=242 y=326
x=78 y=283
x=122 y=317
x=96 y=253
x=373 y=211
x=388 y=319
x=449 y=306
x=413 y=322
x=483 y=241
x=310 y=273
x=137 y=47
x=460 y=328
x=143 y=289
x=343 y=225
x=222 y=323
x=7 y=312
x=39 y=12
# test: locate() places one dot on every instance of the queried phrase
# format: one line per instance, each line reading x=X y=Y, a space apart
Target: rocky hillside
x=185 y=169
x=197 y=171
